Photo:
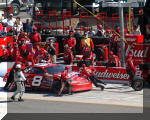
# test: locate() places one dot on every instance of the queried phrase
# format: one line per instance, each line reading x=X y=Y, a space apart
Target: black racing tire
x=137 y=84
x=16 y=9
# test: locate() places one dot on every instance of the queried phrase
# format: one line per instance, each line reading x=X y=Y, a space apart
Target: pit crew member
x=65 y=82
x=114 y=60
x=40 y=54
x=89 y=72
x=88 y=41
x=68 y=55
x=35 y=37
x=131 y=69
x=19 y=79
x=16 y=52
x=71 y=41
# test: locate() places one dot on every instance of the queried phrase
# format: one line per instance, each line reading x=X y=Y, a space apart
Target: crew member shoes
x=20 y=99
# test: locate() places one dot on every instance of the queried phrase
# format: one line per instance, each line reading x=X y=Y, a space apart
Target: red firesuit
x=20 y=36
x=5 y=54
x=1 y=27
x=131 y=69
x=65 y=82
x=35 y=37
x=68 y=55
x=16 y=52
x=87 y=53
x=27 y=56
x=114 y=60
x=89 y=72
x=10 y=50
x=22 y=49
x=40 y=54
x=71 y=41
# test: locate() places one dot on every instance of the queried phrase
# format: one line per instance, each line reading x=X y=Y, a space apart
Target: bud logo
x=110 y=75
x=141 y=53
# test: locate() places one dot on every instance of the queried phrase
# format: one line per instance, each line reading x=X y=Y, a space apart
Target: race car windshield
x=55 y=69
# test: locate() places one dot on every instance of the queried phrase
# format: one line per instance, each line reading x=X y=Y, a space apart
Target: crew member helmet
x=129 y=55
x=67 y=68
x=18 y=66
x=83 y=65
x=100 y=26
x=111 y=53
x=35 y=28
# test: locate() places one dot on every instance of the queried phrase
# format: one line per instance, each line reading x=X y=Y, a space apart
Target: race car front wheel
x=137 y=84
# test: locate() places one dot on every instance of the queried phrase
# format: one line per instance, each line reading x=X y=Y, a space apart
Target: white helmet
x=18 y=66
x=2 y=46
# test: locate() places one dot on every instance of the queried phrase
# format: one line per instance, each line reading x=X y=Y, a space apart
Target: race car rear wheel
x=137 y=84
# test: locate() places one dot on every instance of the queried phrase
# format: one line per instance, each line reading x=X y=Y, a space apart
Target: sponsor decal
x=110 y=75
x=141 y=53
x=118 y=39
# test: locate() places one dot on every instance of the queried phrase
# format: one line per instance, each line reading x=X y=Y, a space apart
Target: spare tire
x=100 y=54
x=137 y=83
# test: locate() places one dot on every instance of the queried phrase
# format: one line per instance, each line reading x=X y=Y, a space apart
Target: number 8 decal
x=37 y=81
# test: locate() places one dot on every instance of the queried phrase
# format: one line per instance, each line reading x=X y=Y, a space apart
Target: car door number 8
x=37 y=81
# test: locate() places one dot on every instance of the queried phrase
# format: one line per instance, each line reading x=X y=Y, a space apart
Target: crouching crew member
x=131 y=69
x=19 y=79
x=89 y=72
x=65 y=82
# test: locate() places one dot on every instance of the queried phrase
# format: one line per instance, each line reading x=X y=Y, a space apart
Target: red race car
x=48 y=76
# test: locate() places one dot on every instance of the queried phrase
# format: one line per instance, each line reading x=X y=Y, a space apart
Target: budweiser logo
x=118 y=39
x=110 y=75
x=138 y=52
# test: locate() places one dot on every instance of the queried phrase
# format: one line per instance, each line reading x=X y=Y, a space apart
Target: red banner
x=140 y=52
